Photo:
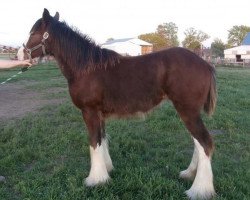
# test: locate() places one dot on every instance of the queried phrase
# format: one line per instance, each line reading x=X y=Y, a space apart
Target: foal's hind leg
x=190 y=172
x=98 y=148
x=202 y=187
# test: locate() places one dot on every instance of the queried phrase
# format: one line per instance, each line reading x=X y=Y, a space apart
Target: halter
x=42 y=44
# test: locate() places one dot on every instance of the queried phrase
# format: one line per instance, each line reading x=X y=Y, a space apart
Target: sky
x=103 y=19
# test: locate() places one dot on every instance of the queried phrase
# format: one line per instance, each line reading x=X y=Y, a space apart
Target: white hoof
x=187 y=174
x=91 y=181
x=203 y=194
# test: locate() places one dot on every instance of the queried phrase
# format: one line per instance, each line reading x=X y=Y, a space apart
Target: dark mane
x=79 y=50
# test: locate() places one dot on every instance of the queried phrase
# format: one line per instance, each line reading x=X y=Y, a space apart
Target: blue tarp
x=246 y=40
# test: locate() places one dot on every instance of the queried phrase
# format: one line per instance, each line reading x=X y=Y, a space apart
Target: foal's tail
x=210 y=104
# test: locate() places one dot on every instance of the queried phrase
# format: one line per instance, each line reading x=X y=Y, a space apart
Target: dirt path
x=16 y=101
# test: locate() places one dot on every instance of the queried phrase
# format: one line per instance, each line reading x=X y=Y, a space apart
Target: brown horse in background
x=103 y=83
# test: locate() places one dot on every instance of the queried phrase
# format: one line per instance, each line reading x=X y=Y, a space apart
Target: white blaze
x=20 y=54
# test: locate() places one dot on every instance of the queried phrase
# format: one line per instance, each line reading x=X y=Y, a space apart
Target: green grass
x=45 y=155
x=5 y=56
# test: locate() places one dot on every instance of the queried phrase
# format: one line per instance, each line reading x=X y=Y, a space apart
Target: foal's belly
x=131 y=107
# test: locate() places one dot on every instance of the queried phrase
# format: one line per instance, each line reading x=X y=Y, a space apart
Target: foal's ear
x=56 y=17
x=46 y=15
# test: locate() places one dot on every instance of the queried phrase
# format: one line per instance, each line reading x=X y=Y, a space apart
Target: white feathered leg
x=107 y=159
x=190 y=172
x=202 y=187
x=98 y=172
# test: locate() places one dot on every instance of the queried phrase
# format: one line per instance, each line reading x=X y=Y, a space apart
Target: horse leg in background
x=98 y=148
x=202 y=187
x=107 y=159
x=190 y=172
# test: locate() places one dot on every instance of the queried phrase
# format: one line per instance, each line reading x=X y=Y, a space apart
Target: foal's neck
x=77 y=53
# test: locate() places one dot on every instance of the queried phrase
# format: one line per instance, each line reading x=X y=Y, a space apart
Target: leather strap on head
x=42 y=44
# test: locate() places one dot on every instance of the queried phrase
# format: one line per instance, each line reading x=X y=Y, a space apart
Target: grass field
x=4 y=56
x=45 y=155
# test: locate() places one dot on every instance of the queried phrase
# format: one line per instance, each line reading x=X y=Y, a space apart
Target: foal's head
x=39 y=42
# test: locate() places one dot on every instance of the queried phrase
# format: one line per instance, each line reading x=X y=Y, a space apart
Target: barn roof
x=117 y=40
x=246 y=40
x=243 y=49
x=132 y=40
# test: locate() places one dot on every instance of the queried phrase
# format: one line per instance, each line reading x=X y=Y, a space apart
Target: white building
x=240 y=53
x=129 y=46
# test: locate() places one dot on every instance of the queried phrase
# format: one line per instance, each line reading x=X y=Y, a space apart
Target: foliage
x=45 y=155
x=193 y=39
x=236 y=35
x=169 y=32
x=217 y=48
x=164 y=37
x=158 y=41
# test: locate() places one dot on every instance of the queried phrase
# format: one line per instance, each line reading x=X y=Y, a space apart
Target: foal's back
x=137 y=84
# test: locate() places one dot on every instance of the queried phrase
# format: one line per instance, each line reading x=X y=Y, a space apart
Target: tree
x=217 y=48
x=164 y=37
x=236 y=35
x=193 y=39
x=169 y=32
x=155 y=39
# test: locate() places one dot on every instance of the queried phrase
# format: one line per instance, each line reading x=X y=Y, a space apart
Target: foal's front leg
x=98 y=148
x=107 y=159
